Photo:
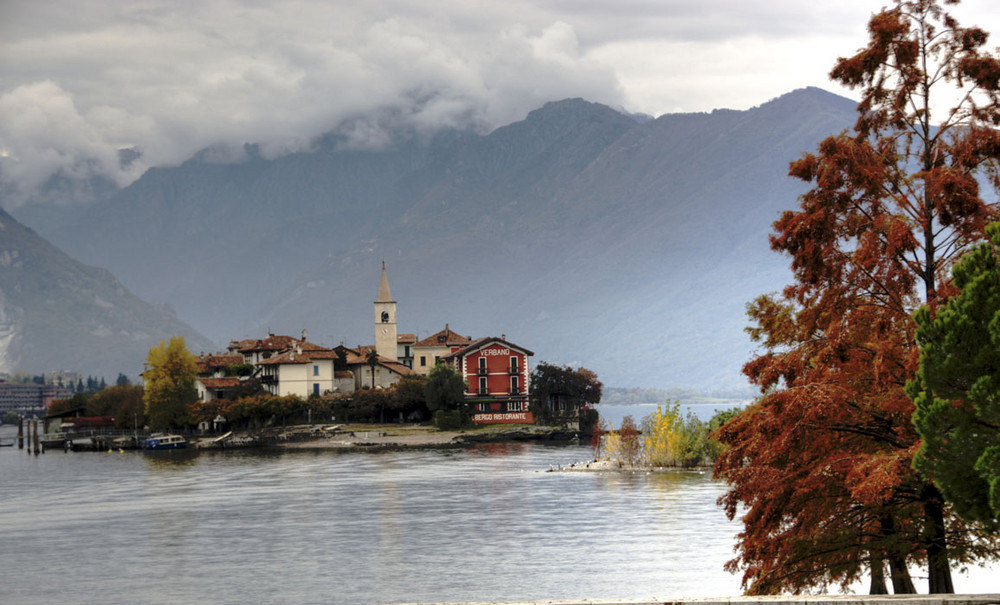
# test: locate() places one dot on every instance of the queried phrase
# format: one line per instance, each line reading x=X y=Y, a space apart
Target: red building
x=496 y=377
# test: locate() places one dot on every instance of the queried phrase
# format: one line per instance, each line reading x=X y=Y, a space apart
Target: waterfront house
x=305 y=371
x=214 y=381
x=387 y=371
x=496 y=374
x=429 y=351
x=210 y=389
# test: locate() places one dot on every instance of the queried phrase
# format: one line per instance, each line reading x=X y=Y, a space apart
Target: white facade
x=300 y=374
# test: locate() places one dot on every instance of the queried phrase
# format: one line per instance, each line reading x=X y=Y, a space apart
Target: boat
x=164 y=441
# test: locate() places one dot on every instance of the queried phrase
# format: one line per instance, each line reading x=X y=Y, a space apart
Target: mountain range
x=625 y=244
x=59 y=314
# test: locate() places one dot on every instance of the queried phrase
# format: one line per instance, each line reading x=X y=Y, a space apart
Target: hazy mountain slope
x=56 y=313
x=639 y=264
x=630 y=246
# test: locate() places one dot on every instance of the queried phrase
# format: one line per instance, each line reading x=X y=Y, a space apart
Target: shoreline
x=610 y=466
x=369 y=437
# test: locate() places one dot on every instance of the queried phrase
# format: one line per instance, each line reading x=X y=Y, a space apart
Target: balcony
x=482 y=371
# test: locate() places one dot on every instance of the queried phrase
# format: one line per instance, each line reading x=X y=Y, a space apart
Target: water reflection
x=171 y=459
x=479 y=523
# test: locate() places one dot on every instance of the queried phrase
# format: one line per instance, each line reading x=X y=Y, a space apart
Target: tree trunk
x=901 y=582
x=938 y=568
x=900 y=575
x=878 y=576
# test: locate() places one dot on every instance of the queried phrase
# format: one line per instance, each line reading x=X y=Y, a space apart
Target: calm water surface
x=483 y=523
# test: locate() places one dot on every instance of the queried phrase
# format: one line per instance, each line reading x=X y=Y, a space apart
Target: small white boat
x=164 y=441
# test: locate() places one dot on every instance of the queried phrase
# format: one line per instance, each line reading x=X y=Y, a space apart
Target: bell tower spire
x=385 y=320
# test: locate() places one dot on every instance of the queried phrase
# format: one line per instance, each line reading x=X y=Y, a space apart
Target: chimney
x=304 y=334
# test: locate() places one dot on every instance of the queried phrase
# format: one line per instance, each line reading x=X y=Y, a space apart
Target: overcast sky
x=81 y=79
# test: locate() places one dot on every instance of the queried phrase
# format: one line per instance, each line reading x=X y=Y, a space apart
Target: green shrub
x=451 y=420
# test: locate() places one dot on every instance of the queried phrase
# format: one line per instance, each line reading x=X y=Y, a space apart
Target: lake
x=470 y=524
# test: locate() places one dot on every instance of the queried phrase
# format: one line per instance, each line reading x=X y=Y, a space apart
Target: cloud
x=173 y=78
x=82 y=79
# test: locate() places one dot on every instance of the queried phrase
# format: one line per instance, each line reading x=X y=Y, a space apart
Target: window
x=385 y=317
x=513 y=364
x=515 y=406
x=437 y=359
x=482 y=365
x=423 y=361
x=315 y=370
x=514 y=384
x=482 y=385
x=315 y=388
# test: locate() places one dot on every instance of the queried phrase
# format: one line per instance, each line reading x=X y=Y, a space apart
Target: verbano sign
x=495 y=351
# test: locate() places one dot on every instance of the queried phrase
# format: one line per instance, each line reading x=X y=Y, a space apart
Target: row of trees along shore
x=169 y=399
x=864 y=454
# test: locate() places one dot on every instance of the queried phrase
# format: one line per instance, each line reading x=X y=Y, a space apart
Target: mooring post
x=20 y=433
x=38 y=449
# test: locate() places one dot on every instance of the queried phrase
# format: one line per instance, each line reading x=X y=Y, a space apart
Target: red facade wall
x=498 y=404
x=497 y=363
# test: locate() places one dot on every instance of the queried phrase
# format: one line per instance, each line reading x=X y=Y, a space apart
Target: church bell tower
x=385 y=320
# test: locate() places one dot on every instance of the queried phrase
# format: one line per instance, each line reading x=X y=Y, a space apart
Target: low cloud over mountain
x=625 y=244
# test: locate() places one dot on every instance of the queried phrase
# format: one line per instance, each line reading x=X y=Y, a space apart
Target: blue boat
x=161 y=441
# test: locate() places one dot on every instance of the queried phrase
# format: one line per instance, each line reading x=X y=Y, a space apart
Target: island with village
x=285 y=391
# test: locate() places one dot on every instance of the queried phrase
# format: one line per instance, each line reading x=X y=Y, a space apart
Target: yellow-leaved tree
x=169 y=380
x=662 y=439
x=670 y=439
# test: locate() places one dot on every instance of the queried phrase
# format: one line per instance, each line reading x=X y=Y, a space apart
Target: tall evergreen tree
x=957 y=391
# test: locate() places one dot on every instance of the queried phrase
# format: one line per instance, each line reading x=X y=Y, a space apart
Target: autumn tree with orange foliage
x=820 y=467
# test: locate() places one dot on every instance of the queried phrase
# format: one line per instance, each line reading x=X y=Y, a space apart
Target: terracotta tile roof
x=404 y=339
x=288 y=357
x=211 y=362
x=480 y=343
x=445 y=338
x=220 y=383
x=359 y=357
x=272 y=343
x=306 y=355
x=395 y=366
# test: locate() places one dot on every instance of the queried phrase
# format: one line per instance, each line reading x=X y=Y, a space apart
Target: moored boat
x=162 y=441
